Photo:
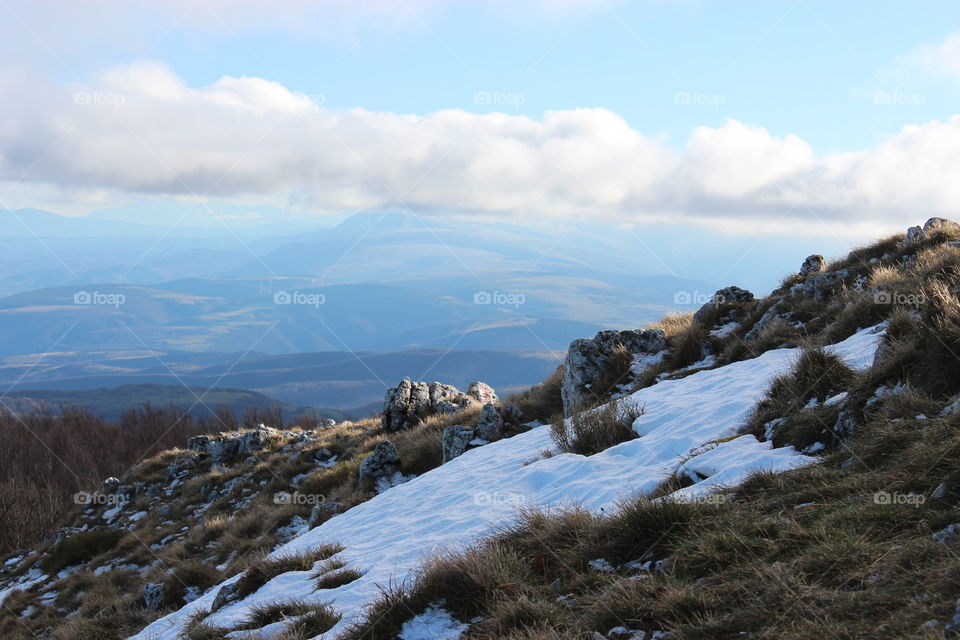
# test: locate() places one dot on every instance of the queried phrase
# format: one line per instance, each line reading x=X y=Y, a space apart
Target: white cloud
x=940 y=61
x=138 y=129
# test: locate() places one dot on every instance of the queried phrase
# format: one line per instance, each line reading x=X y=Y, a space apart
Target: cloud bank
x=138 y=129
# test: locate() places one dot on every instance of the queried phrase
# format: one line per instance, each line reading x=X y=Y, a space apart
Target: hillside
x=783 y=467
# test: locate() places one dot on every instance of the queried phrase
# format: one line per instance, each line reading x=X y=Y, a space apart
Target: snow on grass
x=467 y=498
x=433 y=624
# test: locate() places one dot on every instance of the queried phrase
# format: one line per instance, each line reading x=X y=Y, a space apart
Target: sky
x=749 y=117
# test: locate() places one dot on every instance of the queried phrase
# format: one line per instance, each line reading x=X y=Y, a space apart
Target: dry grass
x=589 y=432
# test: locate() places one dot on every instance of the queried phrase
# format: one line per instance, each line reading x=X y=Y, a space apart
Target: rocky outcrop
x=410 y=403
x=724 y=301
x=381 y=466
x=457 y=439
x=916 y=235
x=813 y=265
x=820 y=286
x=225 y=447
x=587 y=359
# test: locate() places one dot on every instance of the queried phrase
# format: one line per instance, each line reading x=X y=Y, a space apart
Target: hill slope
x=780 y=467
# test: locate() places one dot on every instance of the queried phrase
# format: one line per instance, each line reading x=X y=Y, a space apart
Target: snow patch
x=454 y=505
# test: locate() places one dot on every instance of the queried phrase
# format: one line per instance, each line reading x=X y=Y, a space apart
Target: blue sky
x=757 y=117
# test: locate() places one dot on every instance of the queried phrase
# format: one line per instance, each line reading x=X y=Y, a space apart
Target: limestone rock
x=224 y=447
x=482 y=393
x=323 y=512
x=813 y=265
x=587 y=359
x=228 y=593
x=821 y=285
x=383 y=464
x=410 y=403
x=723 y=300
x=490 y=426
x=456 y=440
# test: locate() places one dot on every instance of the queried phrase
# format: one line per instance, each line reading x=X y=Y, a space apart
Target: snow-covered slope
x=465 y=499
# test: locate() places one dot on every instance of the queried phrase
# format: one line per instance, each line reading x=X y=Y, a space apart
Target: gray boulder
x=490 y=426
x=588 y=358
x=456 y=440
x=382 y=465
x=813 y=265
x=482 y=393
x=726 y=299
x=913 y=236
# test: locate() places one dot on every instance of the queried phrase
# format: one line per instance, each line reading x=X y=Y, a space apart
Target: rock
x=948 y=535
x=937 y=223
x=952 y=629
x=490 y=425
x=771 y=314
x=913 y=236
x=410 y=403
x=456 y=440
x=228 y=593
x=821 y=285
x=724 y=299
x=951 y=409
x=813 y=265
x=482 y=393
x=623 y=633
x=153 y=595
x=588 y=358
x=110 y=485
x=846 y=422
x=382 y=464
x=326 y=423
x=323 y=512
x=224 y=447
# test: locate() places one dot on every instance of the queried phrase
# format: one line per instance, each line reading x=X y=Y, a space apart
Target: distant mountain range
x=211 y=290
x=353 y=383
